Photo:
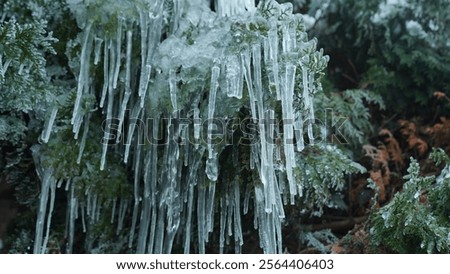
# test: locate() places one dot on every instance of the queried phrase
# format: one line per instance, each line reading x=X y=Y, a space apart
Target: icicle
x=145 y=81
x=77 y=126
x=278 y=235
x=83 y=218
x=173 y=89
x=190 y=208
x=49 y=125
x=152 y=229
x=268 y=232
x=197 y=127
x=306 y=97
x=288 y=120
x=105 y=73
x=212 y=169
x=84 y=69
x=267 y=172
x=126 y=97
x=153 y=187
x=47 y=181
x=122 y=213
x=223 y=215
x=159 y=232
x=67 y=184
x=197 y=158
x=133 y=121
x=211 y=165
x=4 y=67
x=229 y=217
x=245 y=59
x=239 y=238
x=288 y=41
x=282 y=185
x=145 y=212
x=49 y=214
x=247 y=199
x=177 y=14
x=147 y=224
x=298 y=127
x=256 y=54
x=119 y=51
x=83 y=138
x=106 y=136
x=234 y=75
x=215 y=71
x=172 y=198
x=273 y=53
x=278 y=200
x=266 y=130
x=259 y=209
x=72 y=216
x=186 y=146
x=252 y=158
x=21 y=67
x=137 y=177
x=98 y=48
x=210 y=198
x=201 y=219
x=150 y=38
x=144 y=45
x=311 y=110
x=143 y=19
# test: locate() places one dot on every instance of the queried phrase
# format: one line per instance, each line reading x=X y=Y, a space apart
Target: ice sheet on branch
x=171 y=77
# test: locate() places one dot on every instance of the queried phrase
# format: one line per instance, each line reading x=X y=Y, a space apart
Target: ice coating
x=165 y=100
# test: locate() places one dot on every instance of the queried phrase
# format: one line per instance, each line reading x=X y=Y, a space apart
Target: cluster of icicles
x=175 y=197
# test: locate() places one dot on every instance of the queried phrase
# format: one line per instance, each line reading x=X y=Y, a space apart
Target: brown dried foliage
x=380 y=172
x=440 y=134
x=409 y=132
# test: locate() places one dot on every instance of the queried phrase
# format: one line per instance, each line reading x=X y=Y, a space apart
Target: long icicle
x=50 y=213
x=137 y=197
x=83 y=138
x=146 y=228
x=49 y=125
x=211 y=164
x=127 y=95
x=246 y=59
x=105 y=72
x=46 y=181
x=118 y=51
x=84 y=65
x=109 y=111
x=173 y=89
x=72 y=212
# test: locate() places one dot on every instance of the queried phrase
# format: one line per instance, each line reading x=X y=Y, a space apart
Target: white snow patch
x=415 y=29
x=309 y=21
x=387 y=9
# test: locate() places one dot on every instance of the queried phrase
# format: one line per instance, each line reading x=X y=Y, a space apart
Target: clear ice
x=182 y=92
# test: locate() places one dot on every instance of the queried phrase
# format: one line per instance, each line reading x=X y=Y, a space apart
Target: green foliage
x=321 y=172
x=22 y=243
x=350 y=113
x=37 y=79
x=23 y=77
x=416 y=220
x=397 y=48
x=319 y=239
x=12 y=129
